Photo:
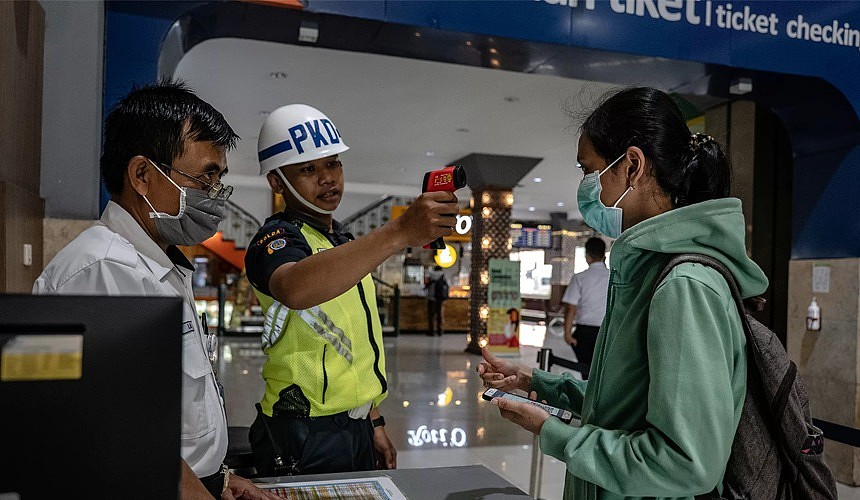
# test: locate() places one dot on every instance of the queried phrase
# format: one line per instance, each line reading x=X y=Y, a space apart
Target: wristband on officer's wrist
x=378 y=422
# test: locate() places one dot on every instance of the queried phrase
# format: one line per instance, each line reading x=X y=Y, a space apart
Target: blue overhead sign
x=812 y=38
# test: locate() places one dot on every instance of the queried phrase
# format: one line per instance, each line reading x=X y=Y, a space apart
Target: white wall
x=72 y=108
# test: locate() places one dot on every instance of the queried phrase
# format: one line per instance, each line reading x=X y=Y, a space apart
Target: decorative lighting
x=741 y=86
x=486 y=241
x=417 y=35
x=484 y=311
x=487 y=212
x=493 y=50
x=485 y=277
x=485 y=198
x=444 y=399
x=495 y=63
x=445 y=257
x=483 y=342
x=509 y=200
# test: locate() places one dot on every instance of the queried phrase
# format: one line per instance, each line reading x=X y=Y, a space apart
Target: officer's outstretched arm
x=325 y=275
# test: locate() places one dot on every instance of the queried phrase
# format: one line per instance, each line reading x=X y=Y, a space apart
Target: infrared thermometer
x=450 y=178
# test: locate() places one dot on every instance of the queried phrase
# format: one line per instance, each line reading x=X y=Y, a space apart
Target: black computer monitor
x=90 y=396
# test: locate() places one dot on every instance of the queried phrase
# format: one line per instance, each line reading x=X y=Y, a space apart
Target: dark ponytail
x=688 y=168
x=707 y=174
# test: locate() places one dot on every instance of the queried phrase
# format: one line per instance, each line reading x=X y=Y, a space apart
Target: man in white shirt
x=164 y=155
x=585 y=303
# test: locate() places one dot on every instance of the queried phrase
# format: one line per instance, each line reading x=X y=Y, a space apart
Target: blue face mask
x=606 y=220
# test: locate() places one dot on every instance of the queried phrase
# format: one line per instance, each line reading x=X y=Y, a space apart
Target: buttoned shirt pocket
x=199 y=418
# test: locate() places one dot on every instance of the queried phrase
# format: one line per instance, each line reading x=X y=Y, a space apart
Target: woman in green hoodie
x=667 y=384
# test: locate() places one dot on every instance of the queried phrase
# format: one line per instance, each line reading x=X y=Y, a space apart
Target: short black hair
x=156 y=121
x=595 y=248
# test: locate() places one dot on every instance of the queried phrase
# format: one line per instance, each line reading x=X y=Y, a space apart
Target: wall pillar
x=22 y=35
x=828 y=360
x=491 y=239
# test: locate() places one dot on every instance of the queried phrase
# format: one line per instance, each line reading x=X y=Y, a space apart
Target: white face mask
x=301 y=198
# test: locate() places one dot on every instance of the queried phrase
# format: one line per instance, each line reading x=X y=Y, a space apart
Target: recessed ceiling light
x=278 y=75
x=531 y=209
x=493 y=51
x=561 y=203
x=495 y=63
x=429 y=153
x=417 y=35
x=538 y=179
x=463 y=130
x=468 y=43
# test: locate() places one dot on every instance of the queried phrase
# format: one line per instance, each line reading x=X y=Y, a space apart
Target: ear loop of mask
x=155 y=214
x=301 y=198
x=615 y=205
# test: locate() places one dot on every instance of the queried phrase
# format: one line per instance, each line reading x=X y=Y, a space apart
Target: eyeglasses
x=216 y=190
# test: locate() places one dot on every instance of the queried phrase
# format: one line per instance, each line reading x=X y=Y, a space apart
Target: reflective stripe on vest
x=320 y=322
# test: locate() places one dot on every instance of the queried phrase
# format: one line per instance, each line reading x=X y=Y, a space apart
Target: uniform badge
x=277 y=245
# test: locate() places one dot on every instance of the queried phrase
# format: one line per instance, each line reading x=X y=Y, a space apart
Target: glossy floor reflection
x=434 y=413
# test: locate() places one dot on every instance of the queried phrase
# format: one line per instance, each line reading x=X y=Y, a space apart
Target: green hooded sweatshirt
x=667 y=385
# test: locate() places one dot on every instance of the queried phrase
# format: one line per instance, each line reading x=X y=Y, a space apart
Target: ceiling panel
x=400 y=117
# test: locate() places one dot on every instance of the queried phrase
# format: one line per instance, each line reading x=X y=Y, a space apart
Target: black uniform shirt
x=280 y=241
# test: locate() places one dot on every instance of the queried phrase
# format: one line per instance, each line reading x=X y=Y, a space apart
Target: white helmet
x=296 y=133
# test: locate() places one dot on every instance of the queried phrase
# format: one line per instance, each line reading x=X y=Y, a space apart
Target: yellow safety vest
x=333 y=351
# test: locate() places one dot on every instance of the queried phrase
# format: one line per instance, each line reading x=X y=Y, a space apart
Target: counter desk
x=413 y=314
x=437 y=483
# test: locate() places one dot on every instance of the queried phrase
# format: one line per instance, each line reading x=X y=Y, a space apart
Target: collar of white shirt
x=118 y=220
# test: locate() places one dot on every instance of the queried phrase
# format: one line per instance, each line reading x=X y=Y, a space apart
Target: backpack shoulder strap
x=752 y=345
x=713 y=264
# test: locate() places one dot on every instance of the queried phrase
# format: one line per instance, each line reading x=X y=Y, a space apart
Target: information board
x=504 y=303
x=538 y=236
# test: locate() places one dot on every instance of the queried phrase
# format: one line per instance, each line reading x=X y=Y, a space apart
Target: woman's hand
x=527 y=416
x=503 y=374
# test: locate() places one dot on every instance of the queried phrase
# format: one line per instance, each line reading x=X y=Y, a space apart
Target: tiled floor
x=435 y=415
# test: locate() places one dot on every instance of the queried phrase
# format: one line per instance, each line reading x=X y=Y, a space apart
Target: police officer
x=325 y=373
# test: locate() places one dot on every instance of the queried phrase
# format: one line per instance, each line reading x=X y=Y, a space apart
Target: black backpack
x=777 y=452
x=440 y=288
